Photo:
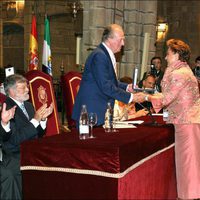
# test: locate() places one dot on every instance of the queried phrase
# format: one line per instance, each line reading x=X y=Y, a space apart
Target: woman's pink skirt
x=187 y=154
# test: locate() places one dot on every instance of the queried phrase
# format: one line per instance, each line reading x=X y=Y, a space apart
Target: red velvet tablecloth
x=99 y=162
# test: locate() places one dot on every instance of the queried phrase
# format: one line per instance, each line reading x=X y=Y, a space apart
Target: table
x=136 y=163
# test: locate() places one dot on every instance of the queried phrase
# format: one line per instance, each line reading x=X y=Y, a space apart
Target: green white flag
x=46 y=57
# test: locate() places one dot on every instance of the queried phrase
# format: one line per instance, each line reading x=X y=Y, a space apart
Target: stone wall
x=136 y=17
x=183 y=18
x=62 y=33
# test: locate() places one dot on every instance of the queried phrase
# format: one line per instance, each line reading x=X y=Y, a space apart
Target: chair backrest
x=2 y=98
x=70 y=86
x=41 y=91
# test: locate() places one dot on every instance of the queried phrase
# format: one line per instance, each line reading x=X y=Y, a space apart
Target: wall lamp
x=162 y=28
x=16 y=5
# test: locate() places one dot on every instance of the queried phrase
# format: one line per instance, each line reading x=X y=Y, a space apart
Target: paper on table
x=123 y=126
x=130 y=122
x=157 y=114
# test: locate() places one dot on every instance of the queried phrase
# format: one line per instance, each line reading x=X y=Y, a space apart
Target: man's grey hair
x=11 y=81
x=107 y=33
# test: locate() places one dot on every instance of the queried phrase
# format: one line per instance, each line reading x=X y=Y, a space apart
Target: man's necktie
x=24 y=110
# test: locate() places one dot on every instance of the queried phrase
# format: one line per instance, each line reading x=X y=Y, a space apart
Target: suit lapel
x=107 y=54
x=18 y=111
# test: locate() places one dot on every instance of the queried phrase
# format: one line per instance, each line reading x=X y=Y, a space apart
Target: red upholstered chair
x=2 y=98
x=70 y=86
x=41 y=92
x=199 y=85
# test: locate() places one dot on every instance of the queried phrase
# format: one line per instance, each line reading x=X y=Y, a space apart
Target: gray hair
x=109 y=31
x=11 y=81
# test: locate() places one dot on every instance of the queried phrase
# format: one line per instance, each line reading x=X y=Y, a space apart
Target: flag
x=33 y=46
x=46 y=57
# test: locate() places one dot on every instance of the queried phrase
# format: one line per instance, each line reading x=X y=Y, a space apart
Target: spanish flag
x=33 y=46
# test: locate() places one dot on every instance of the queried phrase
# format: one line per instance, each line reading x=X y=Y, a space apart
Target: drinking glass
x=92 y=122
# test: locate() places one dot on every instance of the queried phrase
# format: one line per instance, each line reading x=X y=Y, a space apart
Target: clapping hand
x=48 y=112
x=43 y=112
x=40 y=112
x=7 y=115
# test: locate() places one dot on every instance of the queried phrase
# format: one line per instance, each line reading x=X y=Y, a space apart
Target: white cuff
x=146 y=98
x=6 y=127
x=43 y=124
x=35 y=122
x=131 y=98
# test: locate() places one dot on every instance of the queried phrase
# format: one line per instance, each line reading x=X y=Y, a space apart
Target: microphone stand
x=153 y=120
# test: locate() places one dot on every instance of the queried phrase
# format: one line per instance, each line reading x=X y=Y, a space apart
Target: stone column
x=140 y=18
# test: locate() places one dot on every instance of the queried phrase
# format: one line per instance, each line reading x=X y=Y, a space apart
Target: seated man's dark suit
x=10 y=175
x=22 y=128
x=99 y=85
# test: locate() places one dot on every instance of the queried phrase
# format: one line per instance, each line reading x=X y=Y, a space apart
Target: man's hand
x=7 y=115
x=139 y=97
x=130 y=88
x=40 y=112
x=48 y=112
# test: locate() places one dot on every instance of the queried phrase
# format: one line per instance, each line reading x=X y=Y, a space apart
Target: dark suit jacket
x=22 y=128
x=99 y=86
x=3 y=135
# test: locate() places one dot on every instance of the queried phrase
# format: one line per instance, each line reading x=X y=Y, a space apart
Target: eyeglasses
x=22 y=86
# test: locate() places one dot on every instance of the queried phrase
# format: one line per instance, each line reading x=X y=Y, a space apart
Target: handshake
x=140 y=94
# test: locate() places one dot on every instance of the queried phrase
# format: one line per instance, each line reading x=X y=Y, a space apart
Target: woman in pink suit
x=180 y=96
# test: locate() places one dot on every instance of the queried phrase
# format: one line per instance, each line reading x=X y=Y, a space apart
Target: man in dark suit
x=10 y=176
x=26 y=124
x=99 y=84
x=196 y=69
x=156 y=65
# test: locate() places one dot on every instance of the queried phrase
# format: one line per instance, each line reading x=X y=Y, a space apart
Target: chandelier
x=75 y=7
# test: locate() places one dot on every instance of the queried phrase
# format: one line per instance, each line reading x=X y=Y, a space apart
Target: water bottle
x=84 y=124
x=108 y=118
x=165 y=115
